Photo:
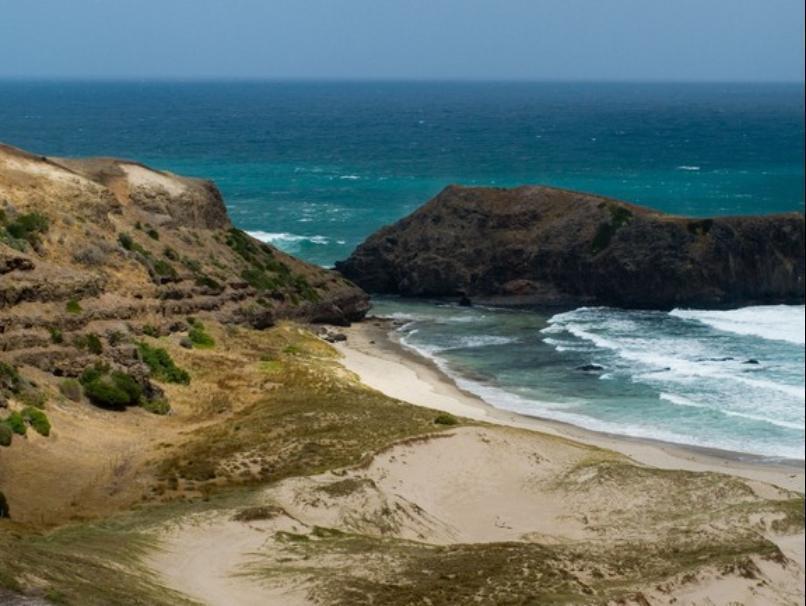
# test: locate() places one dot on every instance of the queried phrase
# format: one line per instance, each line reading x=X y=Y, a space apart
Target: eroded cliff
x=96 y=252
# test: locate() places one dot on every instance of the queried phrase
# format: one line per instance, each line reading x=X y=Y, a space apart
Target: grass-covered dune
x=279 y=477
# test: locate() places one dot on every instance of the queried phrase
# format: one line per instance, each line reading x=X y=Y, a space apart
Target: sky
x=737 y=40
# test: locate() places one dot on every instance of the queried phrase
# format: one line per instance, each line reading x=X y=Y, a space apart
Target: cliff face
x=113 y=248
x=549 y=246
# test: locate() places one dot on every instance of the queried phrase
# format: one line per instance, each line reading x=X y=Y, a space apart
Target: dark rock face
x=542 y=245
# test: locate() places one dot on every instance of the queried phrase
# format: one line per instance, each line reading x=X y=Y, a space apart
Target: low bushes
x=445 y=418
x=37 y=419
x=162 y=365
x=110 y=389
x=10 y=379
x=16 y=423
x=113 y=390
x=164 y=269
x=157 y=407
x=71 y=389
x=91 y=342
x=199 y=337
x=73 y=307
x=28 y=227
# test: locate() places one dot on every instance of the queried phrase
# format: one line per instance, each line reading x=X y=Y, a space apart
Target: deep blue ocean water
x=316 y=167
x=331 y=162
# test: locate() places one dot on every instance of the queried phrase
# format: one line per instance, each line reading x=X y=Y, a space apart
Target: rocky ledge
x=547 y=246
x=95 y=252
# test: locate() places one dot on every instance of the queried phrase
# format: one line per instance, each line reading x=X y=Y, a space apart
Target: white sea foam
x=688 y=167
x=287 y=241
x=559 y=411
x=773 y=322
x=683 y=401
x=482 y=341
x=752 y=408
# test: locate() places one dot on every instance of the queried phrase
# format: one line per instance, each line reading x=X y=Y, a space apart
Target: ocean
x=315 y=167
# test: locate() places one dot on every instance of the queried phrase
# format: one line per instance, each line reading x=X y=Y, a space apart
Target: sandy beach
x=373 y=352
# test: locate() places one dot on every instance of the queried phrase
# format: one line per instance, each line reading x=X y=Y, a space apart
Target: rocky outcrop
x=115 y=249
x=542 y=245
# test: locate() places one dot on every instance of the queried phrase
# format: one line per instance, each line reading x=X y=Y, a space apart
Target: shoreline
x=373 y=352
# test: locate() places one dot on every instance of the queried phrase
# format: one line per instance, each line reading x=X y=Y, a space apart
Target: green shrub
x=71 y=389
x=5 y=435
x=163 y=268
x=28 y=227
x=207 y=281
x=162 y=365
x=157 y=407
x=127 y=384
x=445 y=418
x=199 y=337
x=37 y=419
x=115 y=390
x=242 y=244
x=259 y=279
x=56 y=336
x=170 y=253
x=94 y=344
x=16 y=423
x=125 y=240
x=93 y=372
x=601 y=240
x=104 y=393
x=619 y=217
x=151 y=330
x=10 y=379
x=73 y=307
x=191 y=264
x=153 y=233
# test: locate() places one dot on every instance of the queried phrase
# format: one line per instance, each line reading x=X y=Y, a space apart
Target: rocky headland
x=548 y=246
x=96 y=252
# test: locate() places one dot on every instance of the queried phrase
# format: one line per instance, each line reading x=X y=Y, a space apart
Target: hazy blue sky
x=356 y=39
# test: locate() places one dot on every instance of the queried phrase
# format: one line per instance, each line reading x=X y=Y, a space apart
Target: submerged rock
x=550 y=246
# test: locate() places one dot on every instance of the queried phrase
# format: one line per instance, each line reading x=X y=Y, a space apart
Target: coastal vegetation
x=162 y=366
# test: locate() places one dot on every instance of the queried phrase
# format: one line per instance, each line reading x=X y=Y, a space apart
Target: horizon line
x=372 y=80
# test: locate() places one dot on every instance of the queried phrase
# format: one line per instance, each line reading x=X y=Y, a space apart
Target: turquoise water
x=316 y=167
x=721 y=379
